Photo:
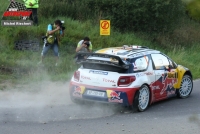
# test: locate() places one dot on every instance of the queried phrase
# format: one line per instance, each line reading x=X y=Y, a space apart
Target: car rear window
x=137 y=64
x=105 y=67
x=140 y=63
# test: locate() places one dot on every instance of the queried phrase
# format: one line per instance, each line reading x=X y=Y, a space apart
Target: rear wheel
x=186 y=87
x=141 y=99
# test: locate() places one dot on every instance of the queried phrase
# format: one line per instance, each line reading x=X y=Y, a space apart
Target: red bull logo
x=115 y=97
x=164 y=86
x=168 y=85
x=77 y=92
x=113 y=94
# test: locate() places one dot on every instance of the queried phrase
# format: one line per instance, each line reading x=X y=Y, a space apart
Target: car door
x=165 y=75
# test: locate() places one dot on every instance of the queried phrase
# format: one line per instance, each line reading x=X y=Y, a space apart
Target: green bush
x=69 y=8
x=193 y=9
x=145 y=15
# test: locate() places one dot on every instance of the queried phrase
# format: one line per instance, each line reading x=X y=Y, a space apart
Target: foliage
x=70 y=8
x=82 y=19
x=145 y=15
x=193 y=9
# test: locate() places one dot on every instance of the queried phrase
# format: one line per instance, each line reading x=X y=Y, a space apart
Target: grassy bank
x=18 y=67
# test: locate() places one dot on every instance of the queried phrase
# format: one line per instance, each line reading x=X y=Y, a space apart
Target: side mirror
x=163 y=68
x=166 y=68
x=170 y=67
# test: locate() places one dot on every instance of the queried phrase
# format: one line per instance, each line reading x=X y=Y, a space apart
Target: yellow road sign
x=104 y=27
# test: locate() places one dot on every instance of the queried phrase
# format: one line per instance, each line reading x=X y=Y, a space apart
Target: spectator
x=32 y=5
x=84 y=45
x=54 y=32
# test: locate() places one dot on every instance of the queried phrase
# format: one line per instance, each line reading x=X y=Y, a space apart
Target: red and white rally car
x=132 y=76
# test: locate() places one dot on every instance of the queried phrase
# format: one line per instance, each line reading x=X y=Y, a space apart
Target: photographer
x=52 y=39
x=84 y=45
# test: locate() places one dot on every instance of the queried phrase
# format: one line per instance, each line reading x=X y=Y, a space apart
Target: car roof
x=127 y=52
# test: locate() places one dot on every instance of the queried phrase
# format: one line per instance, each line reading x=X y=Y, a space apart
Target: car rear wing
x=82 y=58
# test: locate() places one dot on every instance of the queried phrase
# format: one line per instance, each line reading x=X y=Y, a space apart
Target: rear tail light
x=125 y=80
x=76 y=76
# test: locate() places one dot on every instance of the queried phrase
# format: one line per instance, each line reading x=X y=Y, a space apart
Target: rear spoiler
x=82 y=58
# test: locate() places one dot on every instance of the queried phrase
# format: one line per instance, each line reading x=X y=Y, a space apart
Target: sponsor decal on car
x=78 y=91
x=165 y=84
x=148 y=73
x=98 y=72
x=172 y=75
x=107 y=80
x=155 y=87
x=85 y=77
x=168 y=86
x=114 y=96
x=168 y=81
x=139 y=74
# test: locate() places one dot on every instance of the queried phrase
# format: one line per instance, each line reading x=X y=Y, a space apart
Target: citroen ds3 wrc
x=132 y=76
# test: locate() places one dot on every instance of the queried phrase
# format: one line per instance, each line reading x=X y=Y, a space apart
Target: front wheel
x=141 y=99
x=186 y=87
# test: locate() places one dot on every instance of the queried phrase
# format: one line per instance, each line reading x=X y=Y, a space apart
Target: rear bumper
x=123 y=96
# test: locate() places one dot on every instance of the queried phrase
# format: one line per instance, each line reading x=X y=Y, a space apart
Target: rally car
x=132 y=76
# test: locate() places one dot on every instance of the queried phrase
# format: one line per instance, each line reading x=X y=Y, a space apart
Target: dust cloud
x=44 y=102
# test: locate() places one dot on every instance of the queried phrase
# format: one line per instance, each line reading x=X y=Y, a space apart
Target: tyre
x=186 y=87
x=141 y=99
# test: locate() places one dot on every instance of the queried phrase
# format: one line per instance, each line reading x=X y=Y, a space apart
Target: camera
x=61 y=26
x=87 y=43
